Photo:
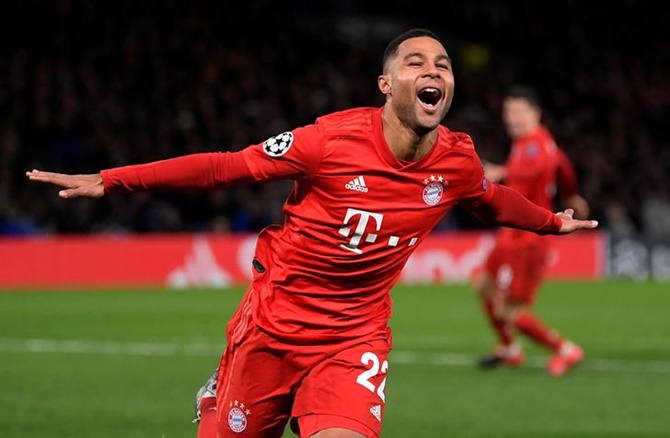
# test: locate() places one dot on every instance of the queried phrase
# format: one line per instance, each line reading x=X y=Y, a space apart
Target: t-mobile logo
x=359 y=232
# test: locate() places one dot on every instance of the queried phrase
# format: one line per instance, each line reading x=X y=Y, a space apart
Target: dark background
x=86 y=85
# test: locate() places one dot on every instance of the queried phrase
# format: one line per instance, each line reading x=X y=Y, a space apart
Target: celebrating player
x=310 y=339
x=508 y=284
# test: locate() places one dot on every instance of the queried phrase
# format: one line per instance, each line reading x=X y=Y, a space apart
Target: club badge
x=237 y=416
x=434 y=189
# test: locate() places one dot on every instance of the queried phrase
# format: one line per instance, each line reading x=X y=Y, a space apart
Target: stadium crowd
x=88 y=85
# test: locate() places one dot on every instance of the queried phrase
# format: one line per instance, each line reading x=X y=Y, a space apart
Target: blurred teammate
x=508 y=284
x=310 y=339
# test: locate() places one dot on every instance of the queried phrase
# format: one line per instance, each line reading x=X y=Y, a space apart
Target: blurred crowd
x=87 y=85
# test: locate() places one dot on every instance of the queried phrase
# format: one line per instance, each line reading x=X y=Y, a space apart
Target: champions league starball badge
x=279 y=144
x=434 y=189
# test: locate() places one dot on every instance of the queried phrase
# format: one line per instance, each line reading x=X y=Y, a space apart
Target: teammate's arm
x=566 y=178
x=509 y=208
x=500 y=205
x=495 y=172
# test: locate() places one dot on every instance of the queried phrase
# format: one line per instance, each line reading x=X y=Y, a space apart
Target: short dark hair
x=523 y=91
x=392 y=47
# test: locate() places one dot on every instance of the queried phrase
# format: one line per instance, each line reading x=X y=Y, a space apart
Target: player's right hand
x=75 y=186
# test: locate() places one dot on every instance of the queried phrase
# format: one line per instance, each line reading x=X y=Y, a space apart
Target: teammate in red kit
x=512 y=275
x=310 y=340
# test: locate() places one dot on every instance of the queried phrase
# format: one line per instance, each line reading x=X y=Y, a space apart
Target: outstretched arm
x=509 y=208
x=201 y=171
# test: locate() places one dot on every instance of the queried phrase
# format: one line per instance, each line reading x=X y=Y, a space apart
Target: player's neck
x=529 y=131
x=405 y=144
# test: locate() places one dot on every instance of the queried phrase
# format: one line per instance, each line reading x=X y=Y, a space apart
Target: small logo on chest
x=434 y=189
x=357 y=185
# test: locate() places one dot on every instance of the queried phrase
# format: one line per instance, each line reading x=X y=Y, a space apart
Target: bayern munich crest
x=279 y=144
x=237 y=417
x=434 y=189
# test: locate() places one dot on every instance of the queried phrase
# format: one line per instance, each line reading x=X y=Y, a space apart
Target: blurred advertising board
x=210 y=260
x=639 y=259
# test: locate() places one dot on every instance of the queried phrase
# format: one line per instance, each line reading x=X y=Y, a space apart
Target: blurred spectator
x=87 y=85
x=617 y=221
x=655 y=212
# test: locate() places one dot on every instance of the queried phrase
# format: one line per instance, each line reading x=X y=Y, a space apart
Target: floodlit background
x=97 y=348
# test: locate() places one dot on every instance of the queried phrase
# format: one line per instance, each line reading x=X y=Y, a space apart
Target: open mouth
x=429 y=96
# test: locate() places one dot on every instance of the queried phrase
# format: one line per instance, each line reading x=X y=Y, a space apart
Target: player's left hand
x=570 y=225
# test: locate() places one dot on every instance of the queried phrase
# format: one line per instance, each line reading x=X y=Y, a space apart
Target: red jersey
x=537 y=168
x=354 y=217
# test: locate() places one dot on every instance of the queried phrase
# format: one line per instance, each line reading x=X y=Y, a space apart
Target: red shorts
x=262 y=383
x=518 y=270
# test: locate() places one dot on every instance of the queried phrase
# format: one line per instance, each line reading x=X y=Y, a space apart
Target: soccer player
x=310 y=340
x=509 y=282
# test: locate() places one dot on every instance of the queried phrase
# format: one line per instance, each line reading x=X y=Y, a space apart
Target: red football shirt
x=355 y=215
x=537 y=168
x=353 y=219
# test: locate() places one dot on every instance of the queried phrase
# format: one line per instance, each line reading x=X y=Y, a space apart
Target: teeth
x=430 y=95
x=430 y=91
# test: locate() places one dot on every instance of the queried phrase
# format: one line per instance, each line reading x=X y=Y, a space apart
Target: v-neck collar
x=385 y=151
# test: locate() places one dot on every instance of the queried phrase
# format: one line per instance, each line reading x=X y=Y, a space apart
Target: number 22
x=370 y=359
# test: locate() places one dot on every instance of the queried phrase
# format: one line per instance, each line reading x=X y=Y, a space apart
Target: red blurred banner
x=194 y=260
x=452 y=257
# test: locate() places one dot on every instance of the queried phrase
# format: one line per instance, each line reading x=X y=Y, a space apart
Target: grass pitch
x=127 y=363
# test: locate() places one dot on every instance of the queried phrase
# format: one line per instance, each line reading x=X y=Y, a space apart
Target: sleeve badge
x=279 y=144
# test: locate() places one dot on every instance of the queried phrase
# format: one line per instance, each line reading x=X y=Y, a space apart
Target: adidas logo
x=357 y=185
x=376 y=410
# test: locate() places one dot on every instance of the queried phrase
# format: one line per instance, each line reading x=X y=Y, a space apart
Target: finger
x=590 y=224
x=51 y=177
x=67 y=194
x=58 y=179
x=82 y=192
x=70 y=193
x=41 y=173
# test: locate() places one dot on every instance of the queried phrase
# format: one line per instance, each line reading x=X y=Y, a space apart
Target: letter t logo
x=360 y=228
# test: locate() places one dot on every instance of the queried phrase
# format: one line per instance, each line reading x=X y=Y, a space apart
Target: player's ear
x=384 y=83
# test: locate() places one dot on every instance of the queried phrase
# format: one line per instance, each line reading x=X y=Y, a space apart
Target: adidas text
x=357 y=184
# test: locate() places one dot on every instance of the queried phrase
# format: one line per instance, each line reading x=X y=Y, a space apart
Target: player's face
x=520 y=117
x=419 y=83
